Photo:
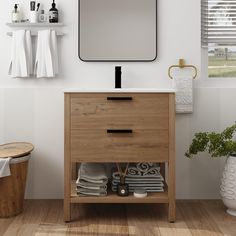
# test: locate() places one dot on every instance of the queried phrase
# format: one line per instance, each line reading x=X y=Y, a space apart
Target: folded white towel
x=46 y=64
x=21 y=64
x=184 y=94
x=4 y=167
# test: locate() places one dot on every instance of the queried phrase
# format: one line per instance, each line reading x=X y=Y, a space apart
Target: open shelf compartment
x=112 y=197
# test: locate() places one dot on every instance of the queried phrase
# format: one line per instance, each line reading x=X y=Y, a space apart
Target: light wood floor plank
x=217 y=212
x=198 y=220
x=52 y=223
x=4 y=224
x=98 y=219
x=45 y=218
x=179 y=228
x=27 y=223
x=141 y=221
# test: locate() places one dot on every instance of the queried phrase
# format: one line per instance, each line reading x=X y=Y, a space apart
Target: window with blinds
x=218 y=35
x=218 y=22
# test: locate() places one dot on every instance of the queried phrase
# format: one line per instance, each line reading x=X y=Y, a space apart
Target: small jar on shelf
x=43 y=17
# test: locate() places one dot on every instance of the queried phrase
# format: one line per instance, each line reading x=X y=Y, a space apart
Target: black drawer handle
x=119 y=131
x=120 y=98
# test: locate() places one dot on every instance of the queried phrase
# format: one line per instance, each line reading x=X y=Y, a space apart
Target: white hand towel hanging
x=21 y=64
x=184 y=94
x=54 y=51
x=4 y=167
x=46 y=64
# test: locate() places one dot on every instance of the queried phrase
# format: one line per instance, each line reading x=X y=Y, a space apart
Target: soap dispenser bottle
x=53 y=13
x=15 y=14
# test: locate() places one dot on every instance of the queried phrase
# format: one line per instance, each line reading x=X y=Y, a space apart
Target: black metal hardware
x=118 y=77
x=120 y=98
x=119 y=131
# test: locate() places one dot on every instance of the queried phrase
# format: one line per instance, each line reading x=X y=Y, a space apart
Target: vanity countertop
x=123 y=90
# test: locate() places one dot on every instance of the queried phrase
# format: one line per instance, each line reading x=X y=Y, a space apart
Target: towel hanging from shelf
x=21 y=62
x=46 y=63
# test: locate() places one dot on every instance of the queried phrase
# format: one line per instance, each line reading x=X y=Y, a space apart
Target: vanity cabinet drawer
x=123 y=111
x=97 y=145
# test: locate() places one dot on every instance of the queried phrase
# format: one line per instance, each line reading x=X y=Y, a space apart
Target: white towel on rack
x=21 y=64
x=184 y=94
x=4 y=167
x=46 y=64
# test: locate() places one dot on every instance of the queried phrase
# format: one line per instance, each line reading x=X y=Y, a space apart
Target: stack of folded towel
x=142 y=175
x=92 y=180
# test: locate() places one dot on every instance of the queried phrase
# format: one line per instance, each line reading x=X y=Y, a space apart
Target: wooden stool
x=12 y=188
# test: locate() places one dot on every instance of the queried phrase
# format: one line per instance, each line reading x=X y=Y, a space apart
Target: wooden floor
x=45 y=217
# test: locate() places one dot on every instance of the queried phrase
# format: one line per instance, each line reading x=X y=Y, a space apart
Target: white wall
x=32 y=109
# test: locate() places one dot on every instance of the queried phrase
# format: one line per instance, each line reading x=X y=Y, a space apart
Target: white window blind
x=218 y=22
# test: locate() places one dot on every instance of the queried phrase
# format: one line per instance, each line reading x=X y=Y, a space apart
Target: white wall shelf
x=36 y=34
x=27 y=24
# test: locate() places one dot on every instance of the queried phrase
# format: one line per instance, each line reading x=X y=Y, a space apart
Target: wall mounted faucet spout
x=118 y=77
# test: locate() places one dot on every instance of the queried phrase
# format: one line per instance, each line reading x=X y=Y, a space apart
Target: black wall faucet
x=118 y=77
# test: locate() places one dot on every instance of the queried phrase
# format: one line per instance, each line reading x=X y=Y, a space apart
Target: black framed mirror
x=117 y=30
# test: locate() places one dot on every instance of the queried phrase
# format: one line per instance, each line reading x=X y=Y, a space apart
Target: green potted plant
x=220 y=145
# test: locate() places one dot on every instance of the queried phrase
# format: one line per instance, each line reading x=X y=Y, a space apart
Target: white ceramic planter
x=228 y=185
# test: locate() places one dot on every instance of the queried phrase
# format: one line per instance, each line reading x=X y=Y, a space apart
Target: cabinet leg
x=67 y=211
x=171 y=212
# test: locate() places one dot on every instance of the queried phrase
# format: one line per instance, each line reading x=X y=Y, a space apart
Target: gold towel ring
x=182 y=65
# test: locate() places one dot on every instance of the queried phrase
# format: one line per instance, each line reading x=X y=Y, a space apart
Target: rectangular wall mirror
x=117 y=30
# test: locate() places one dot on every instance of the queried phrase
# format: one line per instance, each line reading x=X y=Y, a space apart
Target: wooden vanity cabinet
x=119 y=127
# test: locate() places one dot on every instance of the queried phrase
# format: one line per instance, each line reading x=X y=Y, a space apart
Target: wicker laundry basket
x=12 y=188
